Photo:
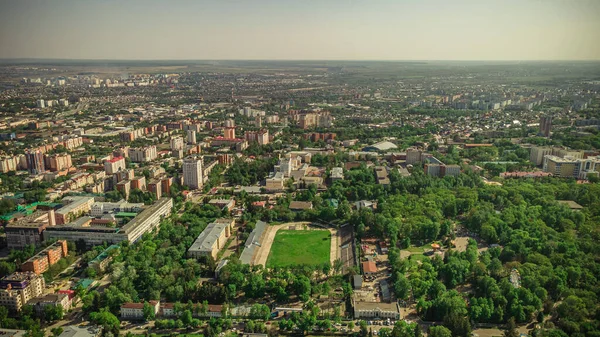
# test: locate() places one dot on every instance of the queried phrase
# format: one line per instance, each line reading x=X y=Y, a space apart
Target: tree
x=303 y=288
x=53 y=312
x=260 y=311
x=7 y=268
x=439 y=331
x=105 y=318
x=186 y=317
x=363 y=328
x=401 y=286
x=511 y=329
x=458 y=324
x=418 y=332
x=351 y=326
x=56 y=331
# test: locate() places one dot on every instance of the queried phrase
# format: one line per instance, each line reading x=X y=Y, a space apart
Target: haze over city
x=294 y=30
x=265 y=168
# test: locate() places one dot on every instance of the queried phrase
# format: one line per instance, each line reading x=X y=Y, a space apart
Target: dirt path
x=267 y=241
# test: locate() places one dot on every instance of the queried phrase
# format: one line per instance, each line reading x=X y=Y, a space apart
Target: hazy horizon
x=271 y=30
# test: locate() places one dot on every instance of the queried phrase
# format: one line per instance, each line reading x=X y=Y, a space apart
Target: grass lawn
x=296 y=247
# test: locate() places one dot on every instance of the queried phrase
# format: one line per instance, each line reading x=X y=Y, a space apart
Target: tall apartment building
x=177 y=143
x=191 y=137
x=230 y=123
x=58 y=162
x=155 y=187
x=124 y=187
x=537 y=154
x=18 y=288
x=229 y=133
x=261 y=136
x=8 y=164
x=114 y=165
x=143 y=154
x=35 y=162
x=138 y=183
x=192 y=172
x=545 y=126
x=308 y=120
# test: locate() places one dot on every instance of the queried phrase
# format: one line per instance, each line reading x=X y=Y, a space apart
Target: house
x=134 y=311
x=300 y=205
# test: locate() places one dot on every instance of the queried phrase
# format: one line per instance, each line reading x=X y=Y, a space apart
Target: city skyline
x=310 y=30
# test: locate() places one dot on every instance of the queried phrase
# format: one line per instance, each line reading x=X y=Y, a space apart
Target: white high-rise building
x=176 y=143
x=191 y=137
x=40 y=103
x=192 y=172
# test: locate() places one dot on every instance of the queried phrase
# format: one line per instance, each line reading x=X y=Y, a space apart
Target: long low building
x=212 y=239
x=376 y=310
x=252 y=242
x=93 y=235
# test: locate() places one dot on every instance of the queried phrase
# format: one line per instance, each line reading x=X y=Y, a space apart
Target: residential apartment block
x=18 y=288
x=42 y=261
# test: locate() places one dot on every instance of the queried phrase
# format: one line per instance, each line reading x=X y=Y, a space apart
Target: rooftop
x=380 y=306
x=74 y=202
x=115 y=159
x=369 y=267
x=571 y=204
x=209 y=236
x=252 y=242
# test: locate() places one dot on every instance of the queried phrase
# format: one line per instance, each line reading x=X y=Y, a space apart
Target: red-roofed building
x=135 y=311
x=114 y=165
x=369 y=267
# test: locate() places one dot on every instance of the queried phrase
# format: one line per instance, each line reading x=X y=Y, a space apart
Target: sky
x=301 y=29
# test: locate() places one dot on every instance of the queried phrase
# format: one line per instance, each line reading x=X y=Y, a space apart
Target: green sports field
x=297 y=247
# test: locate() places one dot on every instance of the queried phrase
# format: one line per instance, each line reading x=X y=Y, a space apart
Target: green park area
x=298 y=247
